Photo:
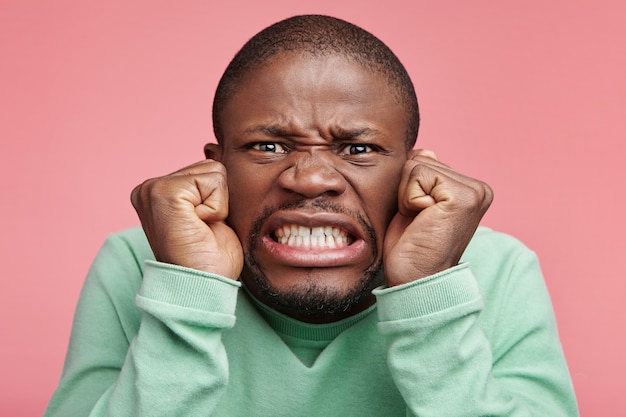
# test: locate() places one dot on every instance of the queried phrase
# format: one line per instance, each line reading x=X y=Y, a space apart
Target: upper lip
x=312 y=219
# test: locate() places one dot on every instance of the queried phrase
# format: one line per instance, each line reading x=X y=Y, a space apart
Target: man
x=362 y=293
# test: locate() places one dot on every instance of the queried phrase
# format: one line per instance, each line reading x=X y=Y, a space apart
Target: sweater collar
x=290 y=327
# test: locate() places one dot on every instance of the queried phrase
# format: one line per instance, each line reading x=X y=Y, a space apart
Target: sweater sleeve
x=145 y=342
x=457 y=348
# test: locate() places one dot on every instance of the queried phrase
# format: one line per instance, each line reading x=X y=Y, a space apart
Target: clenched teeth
x=327 y=237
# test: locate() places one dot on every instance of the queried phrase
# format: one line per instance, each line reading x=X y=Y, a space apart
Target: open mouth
x=322 y=237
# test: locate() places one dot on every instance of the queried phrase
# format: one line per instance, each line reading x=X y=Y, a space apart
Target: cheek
x=378 y=201
x=248 y=193
x=240 y=195
x=381 y=197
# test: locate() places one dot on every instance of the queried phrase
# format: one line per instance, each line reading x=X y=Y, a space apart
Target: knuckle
x=219 y=166
x=488 y=192
x=134 y=196
x=151 y=189
x=480 y=194
x=137 y=195
x=220 y=178
x=418 y=170
x=212 y=167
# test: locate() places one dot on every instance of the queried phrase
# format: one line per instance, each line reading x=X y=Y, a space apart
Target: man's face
x=314 y=148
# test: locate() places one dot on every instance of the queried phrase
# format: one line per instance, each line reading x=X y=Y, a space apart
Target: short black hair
x=318 y=35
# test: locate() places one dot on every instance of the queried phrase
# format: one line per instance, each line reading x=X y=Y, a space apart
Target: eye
x=356 y=149
x=270 y=147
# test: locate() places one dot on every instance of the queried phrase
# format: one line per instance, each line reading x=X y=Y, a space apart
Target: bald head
x=318 y=36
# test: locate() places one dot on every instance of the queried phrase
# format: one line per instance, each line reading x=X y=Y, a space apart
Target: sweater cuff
x=189 y=288
x=450 y=288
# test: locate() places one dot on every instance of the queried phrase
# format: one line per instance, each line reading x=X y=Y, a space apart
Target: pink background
x=527 y=95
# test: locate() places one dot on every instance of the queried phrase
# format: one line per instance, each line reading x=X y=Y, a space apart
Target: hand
x=438 y=213
x=183 y=217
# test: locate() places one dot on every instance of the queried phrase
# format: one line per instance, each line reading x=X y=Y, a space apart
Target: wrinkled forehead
x=301 y=82
x=279 y=68
x=296 y=57
x=277 y=65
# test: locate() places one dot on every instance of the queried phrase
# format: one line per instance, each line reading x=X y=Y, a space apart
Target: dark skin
x=318 y=144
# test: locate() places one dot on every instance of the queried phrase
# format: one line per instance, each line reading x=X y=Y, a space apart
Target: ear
x=213 y=151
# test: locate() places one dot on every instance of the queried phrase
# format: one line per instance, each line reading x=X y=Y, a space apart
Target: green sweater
x=152 y=339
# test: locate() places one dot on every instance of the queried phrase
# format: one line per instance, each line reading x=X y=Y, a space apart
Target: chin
x=313 y=295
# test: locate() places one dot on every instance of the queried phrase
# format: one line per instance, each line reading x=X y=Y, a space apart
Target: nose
x=312 y=174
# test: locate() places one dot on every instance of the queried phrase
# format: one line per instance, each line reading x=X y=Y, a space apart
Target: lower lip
x=315 y=258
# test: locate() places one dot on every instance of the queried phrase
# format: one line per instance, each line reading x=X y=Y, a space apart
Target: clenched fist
x=183 y=215
x=438 y=213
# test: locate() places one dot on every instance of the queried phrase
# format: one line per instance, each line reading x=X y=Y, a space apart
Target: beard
x=308 y=301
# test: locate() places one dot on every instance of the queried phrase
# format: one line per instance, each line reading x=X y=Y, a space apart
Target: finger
x=213 y=194
x=200 y=167
x=205 y=193
x=429 y=157
x=425 y=185
x=414 y=193
x=428 y=153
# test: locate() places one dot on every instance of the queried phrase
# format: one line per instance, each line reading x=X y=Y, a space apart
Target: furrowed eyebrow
x=266 y=130
x=337 y=132
x=346 y=134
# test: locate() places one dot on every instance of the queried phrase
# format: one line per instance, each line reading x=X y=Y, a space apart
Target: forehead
x=306 y=86
x=298 y=64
